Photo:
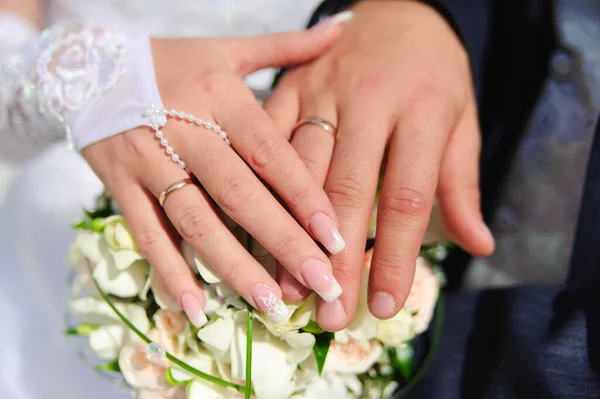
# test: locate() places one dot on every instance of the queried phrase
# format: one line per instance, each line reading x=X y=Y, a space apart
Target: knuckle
x=286 y=244
x=269 y=152
x=312 y=165
x=148 y=241
x=169 y=277
x=215 y=84
x=389 y=267
x=300 y=196
x=231 y=272
x=366 y=85
x=193 y=223
x=404 y=202
x=427 y=97
x=347 y=192
x=234 y=192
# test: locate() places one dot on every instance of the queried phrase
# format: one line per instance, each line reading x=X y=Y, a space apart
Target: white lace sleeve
x=76 y=81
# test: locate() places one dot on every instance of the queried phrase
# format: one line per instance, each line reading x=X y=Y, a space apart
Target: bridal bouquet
x=239 y=353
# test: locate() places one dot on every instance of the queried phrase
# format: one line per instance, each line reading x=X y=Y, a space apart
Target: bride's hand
x=204 y=77
x=398 y=82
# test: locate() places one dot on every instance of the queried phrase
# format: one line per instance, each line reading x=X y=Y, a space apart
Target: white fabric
x=37 y=360
x=67 y=81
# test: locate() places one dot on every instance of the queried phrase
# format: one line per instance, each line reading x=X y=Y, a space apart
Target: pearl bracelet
x=152 y=112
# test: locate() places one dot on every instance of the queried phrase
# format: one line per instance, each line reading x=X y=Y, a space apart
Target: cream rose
x=397 y=330
x=108 y=339
x=423 y=295
x=117 y=266
x=139 y=372
x=354 y=357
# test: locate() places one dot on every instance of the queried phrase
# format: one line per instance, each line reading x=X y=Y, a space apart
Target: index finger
x=274 y=159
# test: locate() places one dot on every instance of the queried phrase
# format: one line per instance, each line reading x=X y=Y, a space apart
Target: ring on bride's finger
x=173 y=187
x=329 y=127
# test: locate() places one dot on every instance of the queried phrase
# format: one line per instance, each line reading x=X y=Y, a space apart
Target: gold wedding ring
x=329 y=127
x=173 y=187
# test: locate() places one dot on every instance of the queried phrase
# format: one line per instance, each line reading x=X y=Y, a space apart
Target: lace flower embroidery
x=77 y=66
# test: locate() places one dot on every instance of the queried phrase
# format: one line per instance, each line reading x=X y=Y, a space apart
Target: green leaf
x=90 y=224
x=313 y=328
x=320 y=349
x=82 y=329
x=111 y=366
x=172 y=381
x=403 y=360
x=84 y=224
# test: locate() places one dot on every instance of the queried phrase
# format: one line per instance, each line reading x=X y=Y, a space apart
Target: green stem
x=172 y=358
x=249 y=354
x=437 y=336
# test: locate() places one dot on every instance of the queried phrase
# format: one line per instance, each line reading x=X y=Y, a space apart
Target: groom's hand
x=398 y=87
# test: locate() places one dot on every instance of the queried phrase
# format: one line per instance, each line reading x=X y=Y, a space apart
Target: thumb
x=458 y=189
x=253 y=53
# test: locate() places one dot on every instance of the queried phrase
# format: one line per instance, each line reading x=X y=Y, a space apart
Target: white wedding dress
x=39 y=200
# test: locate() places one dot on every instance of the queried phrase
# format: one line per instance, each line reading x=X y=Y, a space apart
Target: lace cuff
x=79 y=80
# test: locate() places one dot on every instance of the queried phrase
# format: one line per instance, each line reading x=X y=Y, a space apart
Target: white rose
x=217 y=335
x=123 y=273
x=288 y=330
x=397 y=330
x=121 y=243
x=272 y=373
x=199 y=388
x=423 y=295
x=328 y=385
x=354 y=357
x=108 y=339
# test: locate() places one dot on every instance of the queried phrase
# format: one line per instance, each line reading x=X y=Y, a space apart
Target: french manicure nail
x=337 y=19
x=332 y=314
x=326 y=232
x=192 y=309
x=321 y=280
x=382 y=305
x=268 y=302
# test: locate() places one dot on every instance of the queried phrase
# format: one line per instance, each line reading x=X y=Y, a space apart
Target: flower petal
x=200 y=389
x=272 y=374
x=196 y=262
x=217 y=335
x=364 y=324
x=106 y=341
x=126 y=283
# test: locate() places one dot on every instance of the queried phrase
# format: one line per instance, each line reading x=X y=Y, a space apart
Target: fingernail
x=193 y=310
x=332 y=314
x=268 y=302
x=326 y=232
x=321 y=280
x=382 y=305
x=485 y=232
x=336 y=19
